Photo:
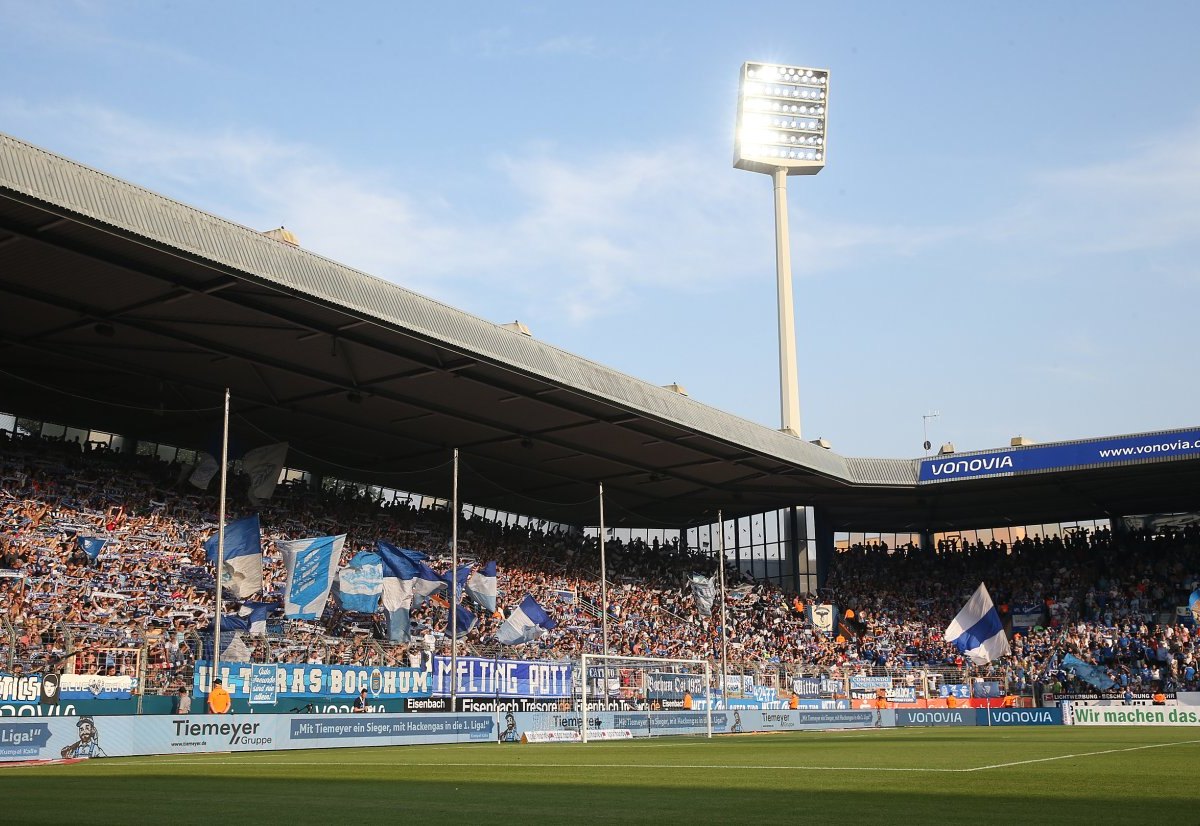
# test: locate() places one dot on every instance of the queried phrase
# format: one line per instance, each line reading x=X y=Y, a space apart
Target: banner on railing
x=95 y=687
x=666 y=686
x=869 y=683
x=302 y=680
x=20 y=689
x=479 y=677
x=816 y=686
x=264 y=685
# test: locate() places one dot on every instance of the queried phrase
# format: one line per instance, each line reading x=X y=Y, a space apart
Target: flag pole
x=603 y=602
x=603 y=586
x=454 y=586
x=216 y=667
x=724 y=635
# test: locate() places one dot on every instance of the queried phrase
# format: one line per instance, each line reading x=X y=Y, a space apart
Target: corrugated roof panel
x=882 y=471
x=95 y=195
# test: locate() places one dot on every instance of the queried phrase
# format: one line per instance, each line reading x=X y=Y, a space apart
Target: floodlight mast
x=781 y=132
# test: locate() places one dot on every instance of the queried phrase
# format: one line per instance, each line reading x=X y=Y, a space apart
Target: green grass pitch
x=1002 y=775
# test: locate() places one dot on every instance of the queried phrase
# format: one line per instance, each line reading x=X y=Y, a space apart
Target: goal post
x=642 y=684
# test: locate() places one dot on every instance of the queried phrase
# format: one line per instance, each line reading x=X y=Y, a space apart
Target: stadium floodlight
x=780 y=131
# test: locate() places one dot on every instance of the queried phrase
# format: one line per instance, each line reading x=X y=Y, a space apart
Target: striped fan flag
x=977 y=631
x=526 y=623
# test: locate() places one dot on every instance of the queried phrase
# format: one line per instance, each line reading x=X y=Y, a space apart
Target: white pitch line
x=1080 y=754
x=232 y=759
x=622 y=766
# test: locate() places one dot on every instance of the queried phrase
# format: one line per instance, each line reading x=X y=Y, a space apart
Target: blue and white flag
x=263 y=465
x=482 y=586
x=455 y=589
x=465 y=619
x=1092 y=674
x=252 y=617
x=399 y=574
x=976 y=631
x=427 y=583
x=704 y=592
x=242 y=575
x=256 y=615
x=526 y=623
x=311 y=567
x=408 y=553
x=360 y=583
x=91 y=545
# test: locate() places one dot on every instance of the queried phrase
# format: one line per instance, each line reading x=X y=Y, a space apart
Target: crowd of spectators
x=148 y=598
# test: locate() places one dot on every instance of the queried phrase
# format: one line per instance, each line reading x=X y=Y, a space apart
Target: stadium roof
x=127 y=311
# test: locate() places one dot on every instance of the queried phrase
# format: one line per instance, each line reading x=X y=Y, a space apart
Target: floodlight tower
x=781 y=132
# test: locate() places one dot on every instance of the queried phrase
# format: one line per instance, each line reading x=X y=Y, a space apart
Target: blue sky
x=1007 y=230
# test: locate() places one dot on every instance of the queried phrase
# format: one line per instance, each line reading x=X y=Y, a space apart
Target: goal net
x=650 y=696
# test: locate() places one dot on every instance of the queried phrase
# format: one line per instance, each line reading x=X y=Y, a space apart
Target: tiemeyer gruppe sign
x=1055 y=457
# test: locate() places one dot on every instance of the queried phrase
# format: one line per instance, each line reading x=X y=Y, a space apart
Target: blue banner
x=674 y=686
x=23 y=740
x=20 y=689
x=869 y=683
x=815 y=686
x=1062 y=456
x=935 y=717
x=419 y=727
x=264 y=684
x=1018 y=716
x=301 y=680
x=988 y=688
x=478 y=677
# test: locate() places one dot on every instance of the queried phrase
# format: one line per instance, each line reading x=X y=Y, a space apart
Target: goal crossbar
x=702 y=666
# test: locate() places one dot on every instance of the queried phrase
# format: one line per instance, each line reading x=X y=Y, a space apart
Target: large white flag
x=311 y=567
x=705 y=592
x=262 y=465
x=204 y=471
x=977 y=631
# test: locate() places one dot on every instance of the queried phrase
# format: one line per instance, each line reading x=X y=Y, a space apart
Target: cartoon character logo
x=509 y=734
x=88 y=744
x=736 y=728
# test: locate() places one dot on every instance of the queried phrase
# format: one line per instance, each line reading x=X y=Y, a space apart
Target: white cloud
x=79 y=27
x=582 y=236
x=1149 y=199
x=503 y=42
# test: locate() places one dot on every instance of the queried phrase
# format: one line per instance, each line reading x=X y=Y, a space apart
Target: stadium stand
x=147 y=601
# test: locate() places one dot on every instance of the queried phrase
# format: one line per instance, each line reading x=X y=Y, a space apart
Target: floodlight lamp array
x=781 y=119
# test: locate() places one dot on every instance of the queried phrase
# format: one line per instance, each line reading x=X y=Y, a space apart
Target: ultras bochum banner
x=301 y=680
